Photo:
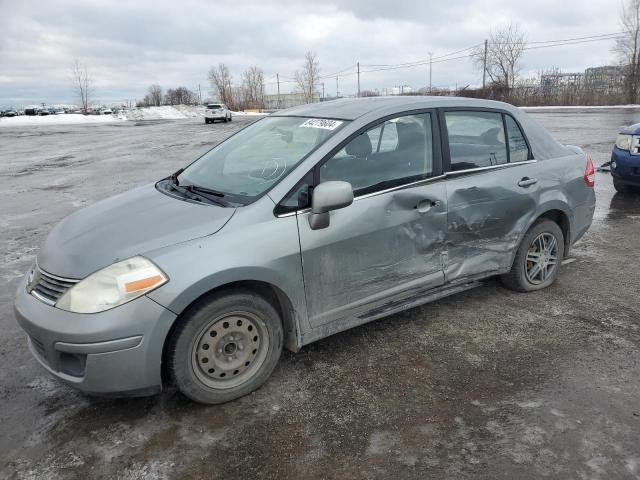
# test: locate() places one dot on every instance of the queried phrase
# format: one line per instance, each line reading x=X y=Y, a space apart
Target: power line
x=455 y=55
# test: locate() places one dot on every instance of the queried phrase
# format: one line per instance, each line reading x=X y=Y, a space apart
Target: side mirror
x=326 y=197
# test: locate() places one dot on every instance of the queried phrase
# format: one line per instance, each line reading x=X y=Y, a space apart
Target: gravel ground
x=485 y=384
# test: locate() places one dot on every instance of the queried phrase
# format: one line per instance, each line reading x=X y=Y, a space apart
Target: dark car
x=10 y=113
x=625 y=159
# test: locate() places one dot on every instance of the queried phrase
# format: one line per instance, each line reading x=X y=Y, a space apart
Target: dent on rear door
x=487 y=213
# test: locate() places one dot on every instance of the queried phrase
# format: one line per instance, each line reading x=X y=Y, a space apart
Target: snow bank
x=580 y=107
x=65 y=119
x=177 y=112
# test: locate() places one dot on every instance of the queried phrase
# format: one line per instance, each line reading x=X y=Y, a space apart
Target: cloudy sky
x=129 y=45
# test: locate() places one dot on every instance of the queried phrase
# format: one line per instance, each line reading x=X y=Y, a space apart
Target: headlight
x=112 y=286
x=623 y=142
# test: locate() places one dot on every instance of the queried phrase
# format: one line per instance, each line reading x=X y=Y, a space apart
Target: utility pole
x=200 y=94
x=430 y=62
x=337 y=91
x=278 y=80
x=358 y=79
x=484 y=65
x=322 y=90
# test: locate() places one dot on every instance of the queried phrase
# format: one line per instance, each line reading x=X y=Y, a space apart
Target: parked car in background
x=625 y=159
x=9 y=112
x=388 y=203
x=32 y=110
x=217 y=111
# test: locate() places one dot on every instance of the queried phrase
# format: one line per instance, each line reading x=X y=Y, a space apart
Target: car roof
x=352 y=108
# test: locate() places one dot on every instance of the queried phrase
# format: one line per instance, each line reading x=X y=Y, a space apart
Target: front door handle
x=527 y=182
x=425 y=205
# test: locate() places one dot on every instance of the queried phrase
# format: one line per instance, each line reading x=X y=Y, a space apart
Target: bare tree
x=503 y=55
x=82 y=84
x=180 y=96
x=253 y=87
x=308 y=78
x=220 y=79
x=628 y=48
x=154 y=97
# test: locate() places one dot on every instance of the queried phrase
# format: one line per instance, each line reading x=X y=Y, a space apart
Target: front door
x=390 y=240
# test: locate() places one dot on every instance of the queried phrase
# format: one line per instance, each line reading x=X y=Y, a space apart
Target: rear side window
x=518 y=148
x=476 y=139
x=393 y=153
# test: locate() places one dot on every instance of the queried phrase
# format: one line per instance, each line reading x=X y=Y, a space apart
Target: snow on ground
x=57 y=119
x=151 y=113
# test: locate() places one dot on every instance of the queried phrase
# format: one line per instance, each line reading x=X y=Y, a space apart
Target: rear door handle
x=527 y=182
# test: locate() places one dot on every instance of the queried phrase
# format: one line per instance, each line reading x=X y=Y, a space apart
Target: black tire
x=206 y=121
x=518 y=278
x=224 y=313
x=230 y=117
x=620 y=187
x=226 y=119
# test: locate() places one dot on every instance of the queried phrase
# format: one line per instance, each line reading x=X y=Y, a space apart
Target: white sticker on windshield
x=324 y=123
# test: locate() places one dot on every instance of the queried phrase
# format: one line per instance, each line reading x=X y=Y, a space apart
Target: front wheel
x=225 y=347
x=538 y=258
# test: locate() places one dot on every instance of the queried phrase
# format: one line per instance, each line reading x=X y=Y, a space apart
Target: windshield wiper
x=199 y=189
x=174 y=177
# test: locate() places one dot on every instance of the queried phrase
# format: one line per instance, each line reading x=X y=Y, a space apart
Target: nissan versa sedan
x=625 y=159
x=303 y=224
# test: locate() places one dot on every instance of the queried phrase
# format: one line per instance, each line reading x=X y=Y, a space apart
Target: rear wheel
x=538 y=258
x=225 y=347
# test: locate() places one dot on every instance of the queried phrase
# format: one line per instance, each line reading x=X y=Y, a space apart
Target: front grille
x=635 y=145
x=49 y=288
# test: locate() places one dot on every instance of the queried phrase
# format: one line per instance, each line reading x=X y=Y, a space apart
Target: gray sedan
x=303 y=224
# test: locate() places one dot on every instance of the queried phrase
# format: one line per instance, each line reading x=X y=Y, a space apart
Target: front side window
x=398 y=151
x=476 y=139
x=518 y=148
x=251 y=161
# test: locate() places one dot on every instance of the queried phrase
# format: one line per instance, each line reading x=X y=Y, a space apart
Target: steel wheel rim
x=229 y=350
x=542 y=258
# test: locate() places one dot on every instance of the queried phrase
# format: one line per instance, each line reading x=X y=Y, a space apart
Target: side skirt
x=395 y=306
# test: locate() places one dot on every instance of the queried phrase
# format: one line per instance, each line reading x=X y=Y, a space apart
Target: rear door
x=492 y=191
x=389 y=241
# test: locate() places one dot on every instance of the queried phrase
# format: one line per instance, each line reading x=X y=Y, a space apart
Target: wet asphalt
x=485 y=384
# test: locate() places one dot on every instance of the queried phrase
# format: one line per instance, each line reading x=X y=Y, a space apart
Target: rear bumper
x=114 y=352
x=627 y=167
x=215 y=116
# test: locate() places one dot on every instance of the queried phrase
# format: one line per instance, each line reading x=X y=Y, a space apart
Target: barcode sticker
x=324 y=123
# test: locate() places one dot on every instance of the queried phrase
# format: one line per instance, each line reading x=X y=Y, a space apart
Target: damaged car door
x=390 y=240
x=492 y=190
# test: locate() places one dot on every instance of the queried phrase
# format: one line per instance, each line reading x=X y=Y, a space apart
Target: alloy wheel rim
x=542 y=258
x=229 y=350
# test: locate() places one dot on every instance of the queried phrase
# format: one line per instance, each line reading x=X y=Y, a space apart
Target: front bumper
x=627 y=167
x=116 y=351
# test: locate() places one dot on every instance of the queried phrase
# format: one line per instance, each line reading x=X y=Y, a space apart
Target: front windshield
x=254 y=159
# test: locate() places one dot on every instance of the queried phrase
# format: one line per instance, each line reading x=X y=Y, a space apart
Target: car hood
x=631 y=129
x=122 y=226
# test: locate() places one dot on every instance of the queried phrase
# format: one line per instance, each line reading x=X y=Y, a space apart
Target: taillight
x=589 y=174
